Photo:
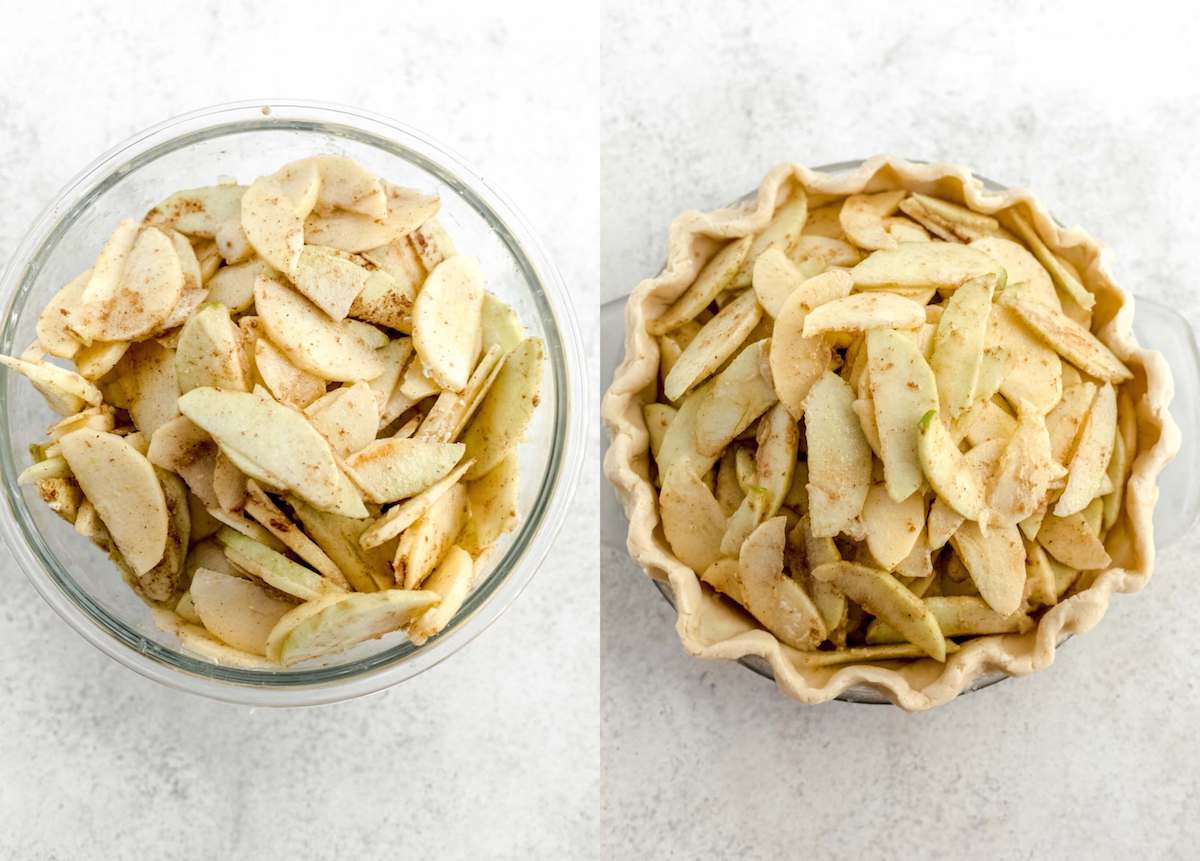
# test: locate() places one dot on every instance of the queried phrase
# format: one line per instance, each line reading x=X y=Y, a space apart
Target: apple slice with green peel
x=1072 y=542
x=347 y=417
x=866 y=655
x=423 y=545
x=247 y=527
x=1063 y=276
x=1069 y=339
x=717 y=276
x=125 y=491
x=327 y=348
x=366 y=569
x=798 y=362
x=233 y=286
x=1118 y=474
x=1021 y=267
x=504 y=414
x=775 y=464
x=385 y=301
x=1093 y=451
x=353 y=620
x=452 y=581
x=882 y=595
x=693 y=521
x=740 y=394
x=274 y=223
x=392 y=469
x=210 y=352
x=493 y=502
x=288 y=383
x=859 y=312
x=996 y=563
x=892 y=527
x=921 y=265
x=273 y=568
x=199 y=211
x=149 y=286
x=1065 y=421
x=273 y=444
x=447 y=321
x=400 y=517
x=957 y=616
x=198 y=641
x=772 y=597
x=946 y=468
x=679 y=444
x=903 y=390
x=52 y=330
x=237 y=611
x=839 y=456
x=330 y=279
x=1035 y=374
x=959 y=343
x=1024 y=474
x=263 y=509
x=862 y=218
x=781 y=231
x=291 y=619
x=65 y=391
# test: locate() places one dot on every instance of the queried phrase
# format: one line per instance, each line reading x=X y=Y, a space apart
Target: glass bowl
x=245 y=140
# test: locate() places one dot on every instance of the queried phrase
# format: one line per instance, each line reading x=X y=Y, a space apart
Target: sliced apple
x=717 y=341
x=198 y=641
x=392 y=469
x=740 y=394
x=367 y=570
x=210 y=351
x=400 y=517
x=399 y=259
x=263 y=509
x=1072 y=542
x=408 y=210
x=1035 y=375
x=447 y=322
x=1025 y=472
x=723 y=576
x=194 y=290
x=693 y=522
x=149 y=286
x=233 y=286
x=98 y=358
x=949 y=220
x=313 y=342
x=1063 y=276
x=393 y=357
x=352 y=620
x=273 y=444
x=65 y=391
x=274 y=223
x=859 y=312
x=237 y=611
x=385 y=301
x=109 y=268
x=921 y=265
x=330 y=279
x=882 y=595
x=125 y=491
x=903 y=390
x=959 y=343
x=423 y=545
x=775 y=464
x=658 y=418
x=1093 y=451
x=345 y=184
x=1118 y=475
x=892 y=527
x=432 y=244
x=288 y=383
x=679 y=444
x=839 y=457
x=796 y=361
x=815 y=254
x=53 y=332
x=772 y=597
x=452 y=581
x=862 y=218
x=494 y=502
x=50 y=468
x=781 y=231
x=503 y=416
x=946 y=468
x=1069 y=339
x=996 y=563
x=957 y=616
x=1021 y=267
x=717 y=276
x=272 y=567
x=941 y=523
x=452 y=410
x=347 y=417
x=1066 y=419
x=213 y=212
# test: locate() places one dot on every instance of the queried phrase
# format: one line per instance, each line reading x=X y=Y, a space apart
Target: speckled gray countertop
x=495 y=751
x=1094 y=758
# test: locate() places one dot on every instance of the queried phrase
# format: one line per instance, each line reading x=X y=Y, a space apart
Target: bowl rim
x=528 y=547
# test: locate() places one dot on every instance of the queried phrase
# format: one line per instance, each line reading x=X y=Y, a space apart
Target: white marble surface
x=1094 y=758
x=493 y=753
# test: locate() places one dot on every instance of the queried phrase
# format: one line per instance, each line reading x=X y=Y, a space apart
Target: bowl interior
x=245 y=149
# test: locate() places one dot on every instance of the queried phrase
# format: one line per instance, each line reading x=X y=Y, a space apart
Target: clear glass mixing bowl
x=246 y=140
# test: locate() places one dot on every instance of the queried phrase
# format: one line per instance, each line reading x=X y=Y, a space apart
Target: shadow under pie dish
x=974 y=422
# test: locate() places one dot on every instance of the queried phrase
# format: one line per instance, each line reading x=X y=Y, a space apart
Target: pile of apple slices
x=884 y=422
x=294 y=415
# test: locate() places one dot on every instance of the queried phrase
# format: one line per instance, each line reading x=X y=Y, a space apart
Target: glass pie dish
x=245 y=140
x=706 y=626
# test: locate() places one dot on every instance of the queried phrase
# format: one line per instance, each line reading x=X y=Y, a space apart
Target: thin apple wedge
x=859 y=312
x=194 y=290
x=392 y=469
x=957 y=616
x=775 y=278
x=400 y=517
x=739 y=395
x=903 y=390
x=239 y=612
x=884 y=596
x=210 y=352
x=329 y=279
x=423 y=545
x=778 y=440
x=263 y=509
x=452 y=410
x=327 y=348
x=781 y=231
x=106 y=274
x=346 y=184
x=1063 y=276
x=233 y=286
x=723 y=576
x=1093 y=451
x=274 y=223
x=693 y=521
x=796 y=361
x=347 y=417
x=354 y=232
x=288 y=383
x=922 y=265
x=385 y=301
x=1066 y=419
x=148 y=288
x=996 y=563
x=273 y=568
x=959 y=343
x=714 y=278
x=393 y=357
x=213 y=212
x=447 y=321
x=354 y=619
x=862 y=218
x=98 y=358
x=772 y=597
x=1035 y=374
x=494 y=505
x=950 y=220
x=452 y=581
x=1025 y=472
x=1072 y=542
x=65 y=391
x=504 y=414
x=53 y=332
x=719 y=338
x=1069 y=339
x=125 y=491
x=366 y=569
x=273 y=444
x=1021 y=267
x=946 y=468
x=892 y=527
x=198 y=641
x=839 y=457
x=181 y=446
